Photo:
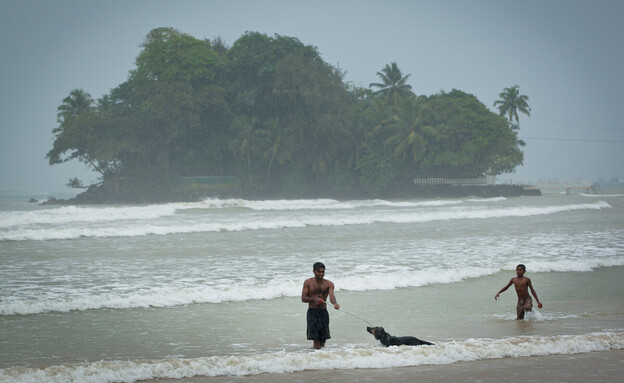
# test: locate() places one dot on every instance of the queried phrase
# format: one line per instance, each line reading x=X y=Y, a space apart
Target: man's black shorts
x=318 y=324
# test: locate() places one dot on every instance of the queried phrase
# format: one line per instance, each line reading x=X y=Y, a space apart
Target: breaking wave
x=168 y=296
x=358 y=356
x=69 y=223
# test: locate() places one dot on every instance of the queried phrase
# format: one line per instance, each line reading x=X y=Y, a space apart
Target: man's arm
x=503 y=289
x=332 y=297
x=305 y=293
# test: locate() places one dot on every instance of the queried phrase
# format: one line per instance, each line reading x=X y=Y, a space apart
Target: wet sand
x=595 y=367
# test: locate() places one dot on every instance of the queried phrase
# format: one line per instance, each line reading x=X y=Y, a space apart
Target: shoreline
x=595 y=367
x=99 y=195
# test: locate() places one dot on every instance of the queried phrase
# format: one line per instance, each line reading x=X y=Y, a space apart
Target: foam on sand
x=328 y=359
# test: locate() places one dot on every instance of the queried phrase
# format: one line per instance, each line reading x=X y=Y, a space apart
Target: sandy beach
x=595 y=367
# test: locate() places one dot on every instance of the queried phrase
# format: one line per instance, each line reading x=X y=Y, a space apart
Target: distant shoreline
x=94 y=196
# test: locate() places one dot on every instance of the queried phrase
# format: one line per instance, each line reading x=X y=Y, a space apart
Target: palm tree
x=72 y=132
x=511 y=103
x=82 y=135
x=247 y=140
x=393 y=83
x=278 y=150
x=73 y=105
x=409 y=136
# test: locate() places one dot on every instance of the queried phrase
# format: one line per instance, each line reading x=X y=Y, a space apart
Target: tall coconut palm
x=248 y=140
x=73 y=105
x=511 y=103
x=278 y=149
x=393 y=83
x=409 y=137
x=71 y=134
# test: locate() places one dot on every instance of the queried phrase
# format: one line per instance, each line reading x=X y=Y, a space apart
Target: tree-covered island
x=268 y=118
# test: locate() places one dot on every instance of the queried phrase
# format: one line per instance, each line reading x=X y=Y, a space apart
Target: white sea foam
x=572 y=265
x=68 y=214
x=601 y=195
x=333 y=218
x=137 y=297
x=353 y=357
x=493 y=199
x=541 y=316
x=73 y=214
x=161 y=297
x=324 y=204
x=409 y=278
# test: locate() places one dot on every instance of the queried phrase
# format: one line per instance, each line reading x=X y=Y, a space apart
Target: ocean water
x=175 y=291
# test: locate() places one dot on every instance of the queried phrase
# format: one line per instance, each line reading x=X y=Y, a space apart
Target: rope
x=353 y=315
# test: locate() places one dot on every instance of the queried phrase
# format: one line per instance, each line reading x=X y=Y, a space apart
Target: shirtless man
x=522 y=285
x=315 y=293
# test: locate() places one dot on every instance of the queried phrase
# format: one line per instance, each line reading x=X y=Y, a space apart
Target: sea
x=210 y=291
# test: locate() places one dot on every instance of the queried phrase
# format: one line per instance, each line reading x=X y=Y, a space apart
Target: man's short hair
x=521 y=265
x=318 y=265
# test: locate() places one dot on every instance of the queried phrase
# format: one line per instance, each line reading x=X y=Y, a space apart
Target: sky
x=567 y=56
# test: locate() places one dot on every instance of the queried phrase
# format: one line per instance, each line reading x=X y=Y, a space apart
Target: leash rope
x=353 y=315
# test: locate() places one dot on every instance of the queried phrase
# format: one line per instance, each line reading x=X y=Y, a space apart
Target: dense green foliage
x=270 y=111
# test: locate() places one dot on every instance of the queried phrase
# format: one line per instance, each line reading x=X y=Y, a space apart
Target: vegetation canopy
x=271 y=114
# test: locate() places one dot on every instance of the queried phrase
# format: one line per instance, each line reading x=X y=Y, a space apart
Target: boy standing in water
x=315 y=293
x=522 y=285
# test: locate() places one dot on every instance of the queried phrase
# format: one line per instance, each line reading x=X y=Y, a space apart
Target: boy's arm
x=539 y=304
x=504 y=288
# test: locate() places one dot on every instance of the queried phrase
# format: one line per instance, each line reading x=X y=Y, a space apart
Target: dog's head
x=378 y=332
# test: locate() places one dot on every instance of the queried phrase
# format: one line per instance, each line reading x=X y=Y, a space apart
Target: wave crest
x=116 y=223
x=329 y=359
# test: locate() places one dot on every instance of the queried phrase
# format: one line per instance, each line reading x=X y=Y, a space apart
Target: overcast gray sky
x=567 y=56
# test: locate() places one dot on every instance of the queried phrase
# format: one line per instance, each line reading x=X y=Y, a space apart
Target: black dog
x=389 y=340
